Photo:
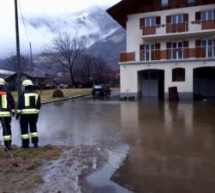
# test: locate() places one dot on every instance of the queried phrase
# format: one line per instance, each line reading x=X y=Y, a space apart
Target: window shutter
x=185 y=44
x=142 y=22
x=168 y=19
x=168 y=45
x=198 y=16
x=185 y=17
x=158 y=20
x=142 y=47
x=198 y=42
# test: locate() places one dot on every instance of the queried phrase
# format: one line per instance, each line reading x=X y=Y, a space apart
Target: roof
x=32 y=75
x=120 y=10
x=6 y=72
x=125 y=7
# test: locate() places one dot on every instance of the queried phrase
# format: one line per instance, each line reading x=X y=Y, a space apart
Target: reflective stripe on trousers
x=25 y=136
x=7 y=138
x=34 y=134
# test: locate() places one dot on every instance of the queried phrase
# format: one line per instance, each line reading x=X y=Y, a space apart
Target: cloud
x=55 y=10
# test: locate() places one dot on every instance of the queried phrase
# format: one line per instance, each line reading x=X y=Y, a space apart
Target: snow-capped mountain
x=99 y=32
x=90 y=25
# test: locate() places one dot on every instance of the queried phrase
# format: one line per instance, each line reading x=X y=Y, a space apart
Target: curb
x=64 y=99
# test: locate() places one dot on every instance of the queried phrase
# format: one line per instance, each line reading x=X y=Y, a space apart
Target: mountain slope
x=109 y=48
x=89 y=25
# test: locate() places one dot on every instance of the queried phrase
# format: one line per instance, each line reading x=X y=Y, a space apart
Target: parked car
x=64 y=86
x=49 y=86
x=101 y=90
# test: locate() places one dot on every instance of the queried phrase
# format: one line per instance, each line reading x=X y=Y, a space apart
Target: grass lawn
x=46 y=95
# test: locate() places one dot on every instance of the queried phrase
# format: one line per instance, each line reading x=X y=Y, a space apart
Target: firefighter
x=27 y=112
x=7 y=110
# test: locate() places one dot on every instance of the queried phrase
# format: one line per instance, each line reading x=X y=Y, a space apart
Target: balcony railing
x=193 y=26
x=169 y=54
x=208 y=25
x=176 y=28
x=125 y=57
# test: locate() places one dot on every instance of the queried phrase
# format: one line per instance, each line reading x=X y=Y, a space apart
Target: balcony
x=176 y=28
x=182 y=30
x=205 y=25
x=169 y=55
x=125 y=57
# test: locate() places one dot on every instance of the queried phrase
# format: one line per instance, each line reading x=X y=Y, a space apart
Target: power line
x=26 y=32
x=23 y=22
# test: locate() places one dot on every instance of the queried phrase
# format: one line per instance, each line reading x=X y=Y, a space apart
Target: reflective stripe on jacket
x=28 y=103
x=29 y=111
x=7 y=104
x=5 y=113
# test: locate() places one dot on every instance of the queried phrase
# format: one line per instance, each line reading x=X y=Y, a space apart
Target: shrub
x=57 y=93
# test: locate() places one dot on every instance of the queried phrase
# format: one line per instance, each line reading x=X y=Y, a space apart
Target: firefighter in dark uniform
x=7 y=109
x=27 y=112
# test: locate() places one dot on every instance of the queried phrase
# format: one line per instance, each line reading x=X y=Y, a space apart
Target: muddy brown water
x=154 y=147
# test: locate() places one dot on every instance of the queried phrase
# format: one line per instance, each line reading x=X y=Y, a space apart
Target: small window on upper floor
x=164 y=3
x=176 y=19
x=150 y=21
x=190 y=1
x=207 y=15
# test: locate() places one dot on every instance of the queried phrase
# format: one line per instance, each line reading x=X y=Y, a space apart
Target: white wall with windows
x=134 y=32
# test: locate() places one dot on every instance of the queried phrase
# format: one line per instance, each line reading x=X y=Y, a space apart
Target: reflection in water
x=171 y=146
x=101 y=178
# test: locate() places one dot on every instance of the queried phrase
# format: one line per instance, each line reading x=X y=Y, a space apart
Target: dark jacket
x=29 y=102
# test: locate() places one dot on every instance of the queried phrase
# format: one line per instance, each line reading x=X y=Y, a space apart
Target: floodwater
x=153 y=147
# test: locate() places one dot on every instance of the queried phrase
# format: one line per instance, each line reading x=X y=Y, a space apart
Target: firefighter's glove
x=17 y=116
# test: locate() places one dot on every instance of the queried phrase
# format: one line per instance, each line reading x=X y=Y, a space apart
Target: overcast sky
x=36 y=8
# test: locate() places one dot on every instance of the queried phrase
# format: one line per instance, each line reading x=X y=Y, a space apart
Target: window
x=176 y=19
x=190 y=1
x=177 y=50
x=207 y=15
x=208 y=48
x=164 y=3
x=178 y=74
x=150 y=21
x=149 y=48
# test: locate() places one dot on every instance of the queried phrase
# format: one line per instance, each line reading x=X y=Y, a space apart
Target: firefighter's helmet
x=2 y=81
x=27 y=83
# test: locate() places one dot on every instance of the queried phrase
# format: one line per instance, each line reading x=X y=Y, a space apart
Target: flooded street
x=153 y=147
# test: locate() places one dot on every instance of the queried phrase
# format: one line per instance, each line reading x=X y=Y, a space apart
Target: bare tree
x=89 y=67
x=25 y=63
x=65 y=50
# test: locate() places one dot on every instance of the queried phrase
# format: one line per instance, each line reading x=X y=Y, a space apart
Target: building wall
x=130 y=82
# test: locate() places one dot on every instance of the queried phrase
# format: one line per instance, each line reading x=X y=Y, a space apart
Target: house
x=169 y=43
x=5 y=73
x=38 y=79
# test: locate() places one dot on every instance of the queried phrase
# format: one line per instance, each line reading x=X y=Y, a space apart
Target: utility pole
x=18 y=59
x=32 y=67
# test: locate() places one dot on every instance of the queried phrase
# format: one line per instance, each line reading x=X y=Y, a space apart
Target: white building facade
x=170 y=43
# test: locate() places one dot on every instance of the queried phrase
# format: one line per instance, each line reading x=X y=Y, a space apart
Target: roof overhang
x=120 y=10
